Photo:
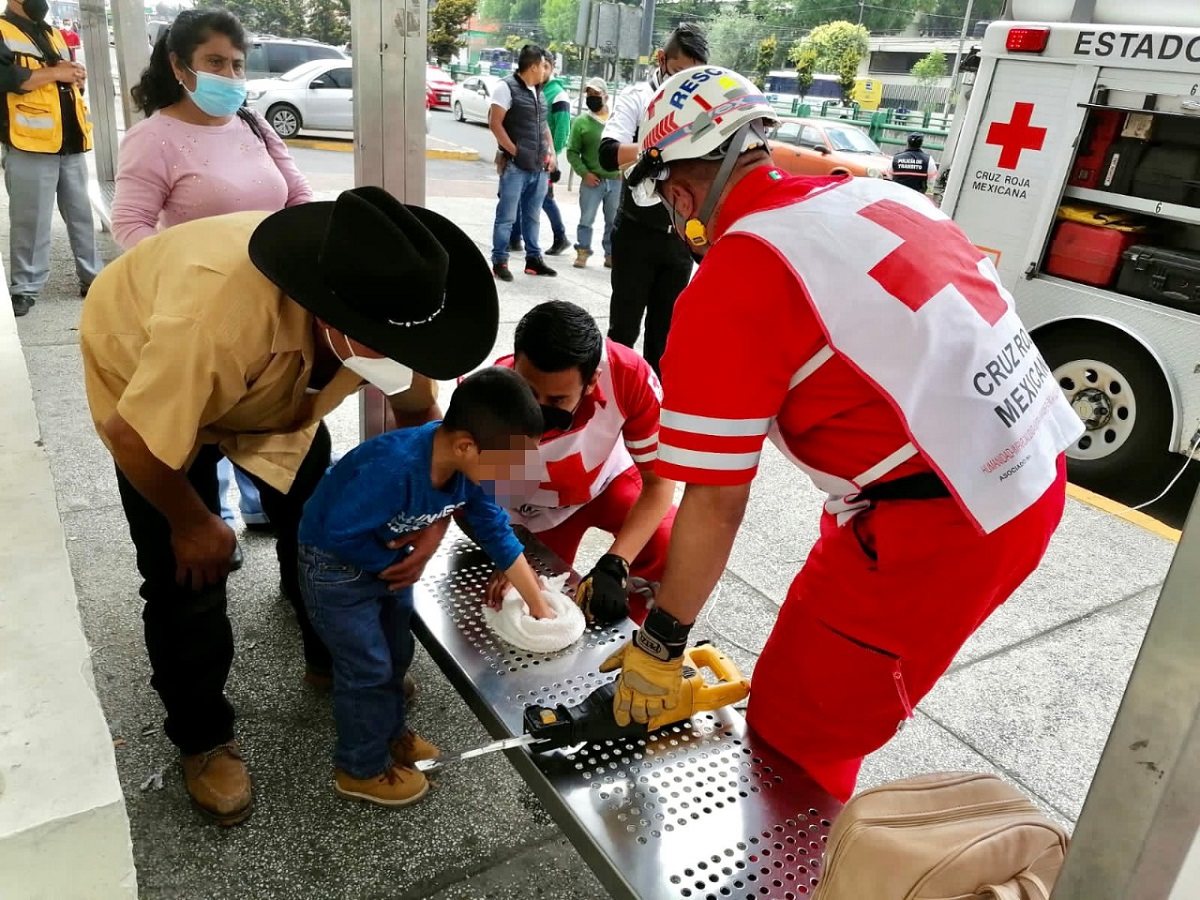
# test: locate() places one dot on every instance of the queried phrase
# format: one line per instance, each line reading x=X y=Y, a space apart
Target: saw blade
x=431 y=765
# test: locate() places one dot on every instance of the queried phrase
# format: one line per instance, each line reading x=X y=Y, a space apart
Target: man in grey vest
x=914 y=168
x=518 y=119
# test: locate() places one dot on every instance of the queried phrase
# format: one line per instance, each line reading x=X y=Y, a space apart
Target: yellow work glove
x=647 y=686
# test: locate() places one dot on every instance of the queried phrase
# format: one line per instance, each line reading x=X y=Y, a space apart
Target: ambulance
x=1080 y=179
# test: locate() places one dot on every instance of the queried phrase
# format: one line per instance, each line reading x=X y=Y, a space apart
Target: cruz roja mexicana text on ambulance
x=1008 y=365
x=1007 y=185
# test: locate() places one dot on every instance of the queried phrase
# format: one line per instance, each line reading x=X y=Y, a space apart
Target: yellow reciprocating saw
x=591 y=720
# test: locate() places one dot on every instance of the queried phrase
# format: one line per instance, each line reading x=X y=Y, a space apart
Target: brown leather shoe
x=397 y=786
x=219 y=783
x=411 y=748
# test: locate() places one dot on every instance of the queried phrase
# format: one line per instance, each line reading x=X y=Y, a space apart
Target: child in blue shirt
x=384 y=489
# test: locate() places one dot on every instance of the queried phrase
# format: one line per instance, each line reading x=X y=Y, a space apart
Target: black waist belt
x=920 y=486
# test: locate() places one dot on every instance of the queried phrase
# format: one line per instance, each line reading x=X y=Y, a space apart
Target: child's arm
x=523 y=578
x=493 y=532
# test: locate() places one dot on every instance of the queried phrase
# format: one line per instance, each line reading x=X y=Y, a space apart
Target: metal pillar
x=646 y=44
x=389 y=39
x=962 y=40
x=1136 y=838
x=133 y=50
x=99 y=87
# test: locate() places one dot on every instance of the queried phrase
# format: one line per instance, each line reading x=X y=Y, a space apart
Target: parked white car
x=317 y=96
x=471 y=99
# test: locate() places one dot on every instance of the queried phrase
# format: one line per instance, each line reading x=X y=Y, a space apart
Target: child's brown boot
x=398 y=786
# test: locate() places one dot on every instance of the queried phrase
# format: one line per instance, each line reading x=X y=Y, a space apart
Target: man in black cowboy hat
x=235 y=335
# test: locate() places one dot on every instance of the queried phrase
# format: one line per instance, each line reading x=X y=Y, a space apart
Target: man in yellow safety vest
x=45 y=132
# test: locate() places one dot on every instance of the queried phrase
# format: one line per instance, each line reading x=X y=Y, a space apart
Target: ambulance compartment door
x=1011 y=183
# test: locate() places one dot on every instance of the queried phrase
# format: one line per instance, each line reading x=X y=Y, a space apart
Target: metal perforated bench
x=701 y=811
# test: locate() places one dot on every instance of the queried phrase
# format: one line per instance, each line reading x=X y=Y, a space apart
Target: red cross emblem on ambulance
x=1016 y=135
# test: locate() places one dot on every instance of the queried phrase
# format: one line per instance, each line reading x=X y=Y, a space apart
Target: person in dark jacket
x=518 y=117
x=558 y=118
x=914 y=168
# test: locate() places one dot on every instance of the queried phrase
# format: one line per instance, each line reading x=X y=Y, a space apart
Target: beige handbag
x=948 y=836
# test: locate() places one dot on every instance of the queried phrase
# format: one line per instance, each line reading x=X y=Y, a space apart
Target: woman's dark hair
x=159 y=88
x=558 y=335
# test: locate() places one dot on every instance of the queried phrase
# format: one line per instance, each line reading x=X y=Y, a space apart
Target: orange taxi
x=820 y=147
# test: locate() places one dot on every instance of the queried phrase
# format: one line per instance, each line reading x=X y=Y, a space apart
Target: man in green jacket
x=600 y=187
x=559 y=122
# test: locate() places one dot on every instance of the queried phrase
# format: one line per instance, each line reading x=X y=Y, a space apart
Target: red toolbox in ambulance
x=1102 y=129
x=1089 y=253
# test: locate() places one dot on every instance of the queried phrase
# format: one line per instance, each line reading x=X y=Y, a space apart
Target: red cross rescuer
x=874 y=345
x=600 y=405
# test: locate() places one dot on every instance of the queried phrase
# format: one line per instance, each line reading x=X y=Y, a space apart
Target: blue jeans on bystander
x=367 y=630
x=521 y=193
x=606 y=194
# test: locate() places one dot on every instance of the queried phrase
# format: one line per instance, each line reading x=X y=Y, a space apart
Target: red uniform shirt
x=740 y=332
x=637 y=395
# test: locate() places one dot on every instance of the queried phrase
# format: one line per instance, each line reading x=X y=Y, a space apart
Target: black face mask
x=555 y=418
x=595 y=104
x=36 y=9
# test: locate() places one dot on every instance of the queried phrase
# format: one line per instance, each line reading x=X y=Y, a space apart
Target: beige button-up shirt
x=191 y=344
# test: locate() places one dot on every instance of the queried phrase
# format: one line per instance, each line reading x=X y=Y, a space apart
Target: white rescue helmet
x=696 y=114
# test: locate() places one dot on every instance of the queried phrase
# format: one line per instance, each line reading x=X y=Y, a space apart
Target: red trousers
x=876 y=616
x=608 y=512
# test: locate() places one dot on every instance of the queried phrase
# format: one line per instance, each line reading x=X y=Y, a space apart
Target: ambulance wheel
x=1120 y=393
x=285 y=119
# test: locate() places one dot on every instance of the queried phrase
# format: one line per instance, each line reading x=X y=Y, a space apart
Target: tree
x=447 y=22
x=928 y=72
x=806 y=63
x=733 y=41
x=559 y=18
x=847 y=72
x=285 y=18
x=326 y=22
x=944 y=18
x=514 y=42
x=766 y=60
x=524 y=13
x=835 y=44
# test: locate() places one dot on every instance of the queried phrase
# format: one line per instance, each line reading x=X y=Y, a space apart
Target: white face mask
x=386 y=374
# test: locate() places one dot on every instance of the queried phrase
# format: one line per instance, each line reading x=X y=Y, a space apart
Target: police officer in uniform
x=914 y=168
x=46 y=132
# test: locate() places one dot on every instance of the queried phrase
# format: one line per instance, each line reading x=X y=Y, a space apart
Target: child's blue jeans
x=366 y=628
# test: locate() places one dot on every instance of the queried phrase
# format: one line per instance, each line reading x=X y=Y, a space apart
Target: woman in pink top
x=201 y=153
x=194 y=157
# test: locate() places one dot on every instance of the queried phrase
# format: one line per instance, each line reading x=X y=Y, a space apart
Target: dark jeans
x=367 y=628
x=188 y=636
x=520 y=195
x=650 y=269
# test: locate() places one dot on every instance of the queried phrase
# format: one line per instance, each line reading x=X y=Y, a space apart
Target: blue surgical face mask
x=217 y=95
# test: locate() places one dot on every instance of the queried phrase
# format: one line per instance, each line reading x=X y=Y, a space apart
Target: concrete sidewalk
x=1032 y=695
